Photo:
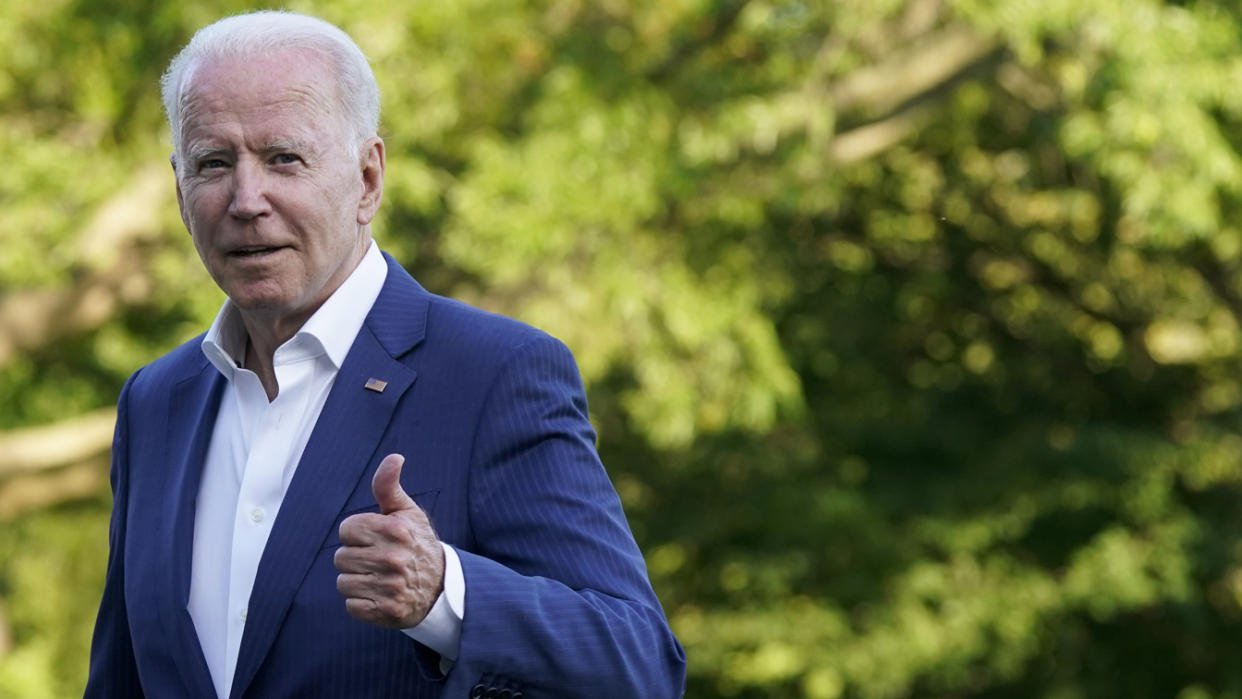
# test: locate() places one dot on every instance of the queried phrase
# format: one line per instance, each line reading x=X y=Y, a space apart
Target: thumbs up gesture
x=391 y=564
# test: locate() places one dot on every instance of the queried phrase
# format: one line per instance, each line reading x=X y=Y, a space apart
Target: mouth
x=254 y=251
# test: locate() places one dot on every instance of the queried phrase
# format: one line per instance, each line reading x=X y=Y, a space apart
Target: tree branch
x=912 y=100
x=36 y=491
x=911 y=73
x=871 y=139
x=110 y=270
x=34 y=449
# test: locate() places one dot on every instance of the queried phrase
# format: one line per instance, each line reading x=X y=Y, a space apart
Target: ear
x=172 y=160
x=372 y=169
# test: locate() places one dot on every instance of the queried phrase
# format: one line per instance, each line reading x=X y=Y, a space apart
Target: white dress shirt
x=254 y=451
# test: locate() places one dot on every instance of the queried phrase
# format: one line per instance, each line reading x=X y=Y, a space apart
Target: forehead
x=287 y=92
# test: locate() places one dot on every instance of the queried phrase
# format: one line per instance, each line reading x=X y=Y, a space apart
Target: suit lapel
x=191 y=419
x=340 y=450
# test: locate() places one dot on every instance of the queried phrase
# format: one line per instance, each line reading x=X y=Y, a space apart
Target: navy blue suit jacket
x=491 y=417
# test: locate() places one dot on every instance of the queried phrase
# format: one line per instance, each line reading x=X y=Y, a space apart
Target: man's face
x=272 y=187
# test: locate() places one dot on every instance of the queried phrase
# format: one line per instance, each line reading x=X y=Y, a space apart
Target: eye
x=286 y=159
x=211 y=164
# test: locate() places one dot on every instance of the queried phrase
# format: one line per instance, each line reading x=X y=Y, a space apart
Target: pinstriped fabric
x=492 y=419
x=114 y=672
x=556 y=570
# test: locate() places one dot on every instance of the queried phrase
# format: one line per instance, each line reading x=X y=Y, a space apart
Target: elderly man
x=349 y=487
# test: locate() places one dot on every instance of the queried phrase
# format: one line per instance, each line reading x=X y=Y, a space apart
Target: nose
x=249 y=191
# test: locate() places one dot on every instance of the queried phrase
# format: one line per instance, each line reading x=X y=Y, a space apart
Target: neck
x=267 y=331
x=260 y=362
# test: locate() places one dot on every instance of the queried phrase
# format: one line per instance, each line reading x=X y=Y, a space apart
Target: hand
x=391 y=563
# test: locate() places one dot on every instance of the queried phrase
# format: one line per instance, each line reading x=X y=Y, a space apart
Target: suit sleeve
x=113 y=671
x=558 y=602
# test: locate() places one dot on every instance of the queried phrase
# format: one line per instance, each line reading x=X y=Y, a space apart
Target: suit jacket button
x=505 y=694
x=477 y=691
x=491 y=693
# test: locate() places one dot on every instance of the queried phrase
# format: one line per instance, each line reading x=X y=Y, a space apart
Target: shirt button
x=257 y=515
x=242 y=615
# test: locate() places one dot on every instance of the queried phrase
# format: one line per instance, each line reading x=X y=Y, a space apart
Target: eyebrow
x=197 y=152
x=283 y=144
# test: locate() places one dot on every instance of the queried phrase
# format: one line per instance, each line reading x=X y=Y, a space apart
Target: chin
x=257 y=299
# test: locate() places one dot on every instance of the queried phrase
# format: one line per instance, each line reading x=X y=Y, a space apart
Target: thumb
x=387 y=486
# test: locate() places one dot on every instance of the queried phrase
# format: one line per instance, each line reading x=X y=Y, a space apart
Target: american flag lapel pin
x=374 y=384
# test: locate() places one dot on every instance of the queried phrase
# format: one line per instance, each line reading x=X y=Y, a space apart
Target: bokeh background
x=911 y=328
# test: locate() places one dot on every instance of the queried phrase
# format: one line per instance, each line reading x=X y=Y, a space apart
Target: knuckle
x=395 y=529
x=389 y=608
x=348 y=532
x=358 y=609
x=393 y=559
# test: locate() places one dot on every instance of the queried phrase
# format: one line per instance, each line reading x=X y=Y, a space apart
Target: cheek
x=200 y=244
x=198 y=205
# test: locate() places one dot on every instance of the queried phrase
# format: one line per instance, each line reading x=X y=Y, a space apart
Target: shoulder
x=449 y=320
x=182 y=362
x=406 y=316
x=486 y=338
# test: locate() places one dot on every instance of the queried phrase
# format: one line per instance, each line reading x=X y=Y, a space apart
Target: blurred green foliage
x=911 y=327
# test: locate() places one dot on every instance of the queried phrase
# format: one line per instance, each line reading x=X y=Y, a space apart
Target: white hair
x=258 y=33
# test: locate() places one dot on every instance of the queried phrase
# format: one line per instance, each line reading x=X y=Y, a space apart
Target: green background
x=910 y=327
